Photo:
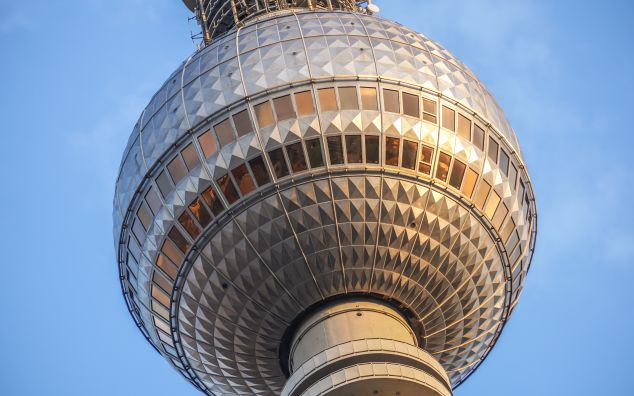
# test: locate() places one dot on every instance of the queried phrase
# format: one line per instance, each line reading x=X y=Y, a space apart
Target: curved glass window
x=442 y=169
x=190 y=156
x=457 y=174
x=348 y=98
x=189 y=225
x=243 y=179
x=228 y=189
x=410 y=151
x=391 y=101
x=304 y=101
x=335 y=150
x=411 y=105
x=176 y=169
x=353 y=149
x=392 y=147
x=264 y=114
x=464 y=127
x=315 y=156
x=200 y=212
x=278 y=162
x=164 y=184
x=153 y=200
x=259 y=171
x=368 y=98
x=212 y=201
x=478 y=136
x=242 y=121
x=327 y=99
x=224 y=131
x=372 y=149
x=208 y=144
x=493 y=150
x=469 y=182
x=426 y=157
x=504 y=162
x=430 y=110
x=296 y=156
x=284 y=108
x=482 y=194
x=448 y=118
x=179 y=240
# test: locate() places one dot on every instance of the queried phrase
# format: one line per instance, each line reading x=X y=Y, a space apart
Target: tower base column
x=361 y=347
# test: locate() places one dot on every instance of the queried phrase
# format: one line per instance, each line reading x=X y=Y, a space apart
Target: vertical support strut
x=202 y=17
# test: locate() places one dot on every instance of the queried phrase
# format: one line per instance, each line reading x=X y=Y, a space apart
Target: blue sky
x=76 y=75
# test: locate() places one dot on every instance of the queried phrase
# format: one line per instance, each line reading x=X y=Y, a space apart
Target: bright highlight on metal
x=321 y=202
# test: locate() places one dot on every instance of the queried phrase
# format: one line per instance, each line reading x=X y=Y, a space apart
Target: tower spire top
x=219 y=16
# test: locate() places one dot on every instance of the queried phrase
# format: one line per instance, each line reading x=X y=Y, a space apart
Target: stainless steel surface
x=444 y=223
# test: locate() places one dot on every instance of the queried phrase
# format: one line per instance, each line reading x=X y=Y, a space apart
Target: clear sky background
x=75 y=75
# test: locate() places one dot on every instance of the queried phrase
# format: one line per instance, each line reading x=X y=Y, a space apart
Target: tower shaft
x=361 y=347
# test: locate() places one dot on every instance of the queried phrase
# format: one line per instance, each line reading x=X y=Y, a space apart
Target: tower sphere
x=321 y=201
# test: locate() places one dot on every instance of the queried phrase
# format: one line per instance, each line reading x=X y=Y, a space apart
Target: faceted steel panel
x=249 y=192
x=292 y=49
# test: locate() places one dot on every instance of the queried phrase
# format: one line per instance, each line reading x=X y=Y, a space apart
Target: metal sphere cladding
x=312 y=160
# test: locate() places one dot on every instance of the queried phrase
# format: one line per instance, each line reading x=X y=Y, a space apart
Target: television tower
x=320 y=201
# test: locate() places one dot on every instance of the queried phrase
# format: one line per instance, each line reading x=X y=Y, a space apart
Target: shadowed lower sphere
x=311 y=167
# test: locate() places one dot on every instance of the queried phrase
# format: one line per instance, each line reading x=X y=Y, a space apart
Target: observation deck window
x=372 y=149
x=430 y=110
x=442 y=169
x=259 y=171
x=280 y=168
x=264 y=114
x=243 y=179
x=224 y=132
x=176 y=169
x=284 y=108
x=411 y=105
x=190 y=156
x=348 y=98
x=296 y=156
x=144 y=216
x=513 y=176
x=242 y=121
x=179 y=240
x=354 y=149
x=391 y=101
x=335 y=150
x=410 y=151
x=482 y=194
x=368 y=99
x=189 y=225
x=457 y=174
x=464 y=127
x=504 y=162
x=392 y=148
x=478 y=136
x=153 y=201
x=208 y=144
x=315 y=156
x=470 y=182
x=327 y=99
x=164 y=184
x=167 y=265
x=201 y=213
x=426 y=157
x=493 y=150
x=448 y=119
x=228 y=189
x=304 y=101
x=212 y=201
